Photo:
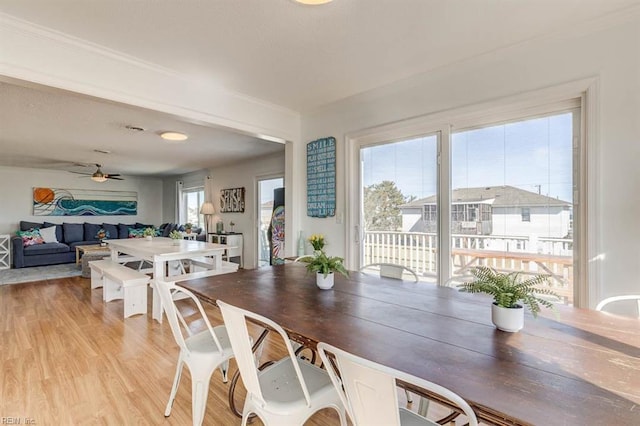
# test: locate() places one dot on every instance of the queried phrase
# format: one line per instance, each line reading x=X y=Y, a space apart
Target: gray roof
x=503 y=196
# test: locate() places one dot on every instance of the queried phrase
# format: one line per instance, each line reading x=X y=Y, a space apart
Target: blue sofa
x=69 y=235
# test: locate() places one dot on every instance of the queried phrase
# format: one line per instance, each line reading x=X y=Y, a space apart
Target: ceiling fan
x=99 y=176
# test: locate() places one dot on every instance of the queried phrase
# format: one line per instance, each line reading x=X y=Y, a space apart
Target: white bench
x=121 y=282
x=97 y=267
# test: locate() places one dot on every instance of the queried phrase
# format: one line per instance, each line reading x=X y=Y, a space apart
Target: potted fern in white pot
x=510 y=292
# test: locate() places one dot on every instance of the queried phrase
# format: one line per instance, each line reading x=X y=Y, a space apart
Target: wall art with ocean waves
x=83 y=202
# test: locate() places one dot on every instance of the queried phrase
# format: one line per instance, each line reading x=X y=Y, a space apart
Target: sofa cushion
x=143 y=226
x=91 y=231
x=112 y=230
x=123 y=230
x=166 y=230
x=25 y=226
x=30 y=238
x=50 y=248
x=59 y=233
x=73 y=232
x=49 y=234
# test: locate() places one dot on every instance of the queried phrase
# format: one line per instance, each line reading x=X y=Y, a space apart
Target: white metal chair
x=287 y=392
x=368 y=390
x=202 y=352
x=608 y=300
x=391 y=270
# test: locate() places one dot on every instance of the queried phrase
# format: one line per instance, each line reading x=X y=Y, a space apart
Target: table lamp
x=207 y=210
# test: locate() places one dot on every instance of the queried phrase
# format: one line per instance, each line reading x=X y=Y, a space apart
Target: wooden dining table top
x=569 y=366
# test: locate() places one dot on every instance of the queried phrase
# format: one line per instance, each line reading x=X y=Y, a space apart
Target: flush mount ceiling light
x=174 y=136
x=313 y=2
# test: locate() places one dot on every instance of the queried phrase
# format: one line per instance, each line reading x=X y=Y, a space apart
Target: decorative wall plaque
x=232 y=200
x=321 y=177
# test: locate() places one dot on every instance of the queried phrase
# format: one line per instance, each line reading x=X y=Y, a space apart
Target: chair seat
x=409 y=418
x=202 y=343
x=277 y=378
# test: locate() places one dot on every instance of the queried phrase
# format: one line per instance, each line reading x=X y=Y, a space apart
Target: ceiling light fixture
x=173 y=136
x=313 y=2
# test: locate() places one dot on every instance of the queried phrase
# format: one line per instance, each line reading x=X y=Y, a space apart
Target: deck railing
x=530 y=255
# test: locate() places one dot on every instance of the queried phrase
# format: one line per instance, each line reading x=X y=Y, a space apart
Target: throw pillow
x=49 y=234
x=73 y=232
x=136 y=233
x=30 y=238
x=91 y=231
x=59 y=233
x=112 y=231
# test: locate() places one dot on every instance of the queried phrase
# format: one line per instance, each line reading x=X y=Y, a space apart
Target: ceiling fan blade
x=114 y=178
x=109 y=174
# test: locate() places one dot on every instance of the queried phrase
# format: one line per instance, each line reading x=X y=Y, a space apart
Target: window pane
x=519 y=177
x=399 y=205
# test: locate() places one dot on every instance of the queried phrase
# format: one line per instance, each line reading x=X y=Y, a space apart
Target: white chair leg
x=224 y=368
x=423 y=407
x=199 y=392
x=174 y=388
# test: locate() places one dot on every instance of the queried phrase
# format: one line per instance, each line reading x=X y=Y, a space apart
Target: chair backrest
x=391 y=270
x=179 y=327
x=608 y=300
x=369 y=391
x=235 y=319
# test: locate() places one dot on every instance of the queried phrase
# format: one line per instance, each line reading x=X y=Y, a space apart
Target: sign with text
x=232 y=200
x=321 y=177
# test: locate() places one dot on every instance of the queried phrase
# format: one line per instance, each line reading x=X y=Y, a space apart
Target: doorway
x=265 y=203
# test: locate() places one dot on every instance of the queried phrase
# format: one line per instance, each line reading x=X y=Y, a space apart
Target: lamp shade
x=207 y=208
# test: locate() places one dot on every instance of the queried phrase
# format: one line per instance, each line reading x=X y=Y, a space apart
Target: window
x=192 y=199
x=465 y=188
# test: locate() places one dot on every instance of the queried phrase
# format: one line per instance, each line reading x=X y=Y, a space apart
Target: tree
x=382 y=206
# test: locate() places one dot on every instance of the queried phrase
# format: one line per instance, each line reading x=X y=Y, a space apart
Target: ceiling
x=299 y=57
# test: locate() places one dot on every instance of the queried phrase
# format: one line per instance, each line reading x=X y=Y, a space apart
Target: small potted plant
x=102 y=235
x=176 y=236
x=509 y=290
x=187 y=227
x=324 y=266
x=149 y=233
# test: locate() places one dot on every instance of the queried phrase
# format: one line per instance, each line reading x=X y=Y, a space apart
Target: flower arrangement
x=102 y=234
x=317 y=241
x=320 y=262
x=175 y=235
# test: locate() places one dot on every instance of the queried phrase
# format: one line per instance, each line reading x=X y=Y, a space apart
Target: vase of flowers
x=324 y=266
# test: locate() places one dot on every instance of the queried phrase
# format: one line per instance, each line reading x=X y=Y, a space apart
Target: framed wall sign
x=232 y=200
x=321 y=177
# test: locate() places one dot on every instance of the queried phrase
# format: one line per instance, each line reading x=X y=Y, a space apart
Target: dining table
x=162 y=252
x=568 y=366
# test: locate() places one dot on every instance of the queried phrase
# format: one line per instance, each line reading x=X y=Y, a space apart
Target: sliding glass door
x=505 y=186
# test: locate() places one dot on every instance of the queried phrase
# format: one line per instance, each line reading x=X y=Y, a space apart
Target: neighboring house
x=494 y=210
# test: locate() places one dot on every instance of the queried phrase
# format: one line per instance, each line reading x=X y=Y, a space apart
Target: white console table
x=234 y=241
x=5 y=251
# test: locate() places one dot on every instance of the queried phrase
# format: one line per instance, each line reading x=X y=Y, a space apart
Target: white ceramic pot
x=149 y=238
x=507 y=319
x=323 y=282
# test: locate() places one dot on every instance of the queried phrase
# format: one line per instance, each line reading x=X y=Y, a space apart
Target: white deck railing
x=418 y=251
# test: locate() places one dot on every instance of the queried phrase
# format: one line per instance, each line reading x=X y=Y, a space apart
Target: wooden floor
x=70 y=359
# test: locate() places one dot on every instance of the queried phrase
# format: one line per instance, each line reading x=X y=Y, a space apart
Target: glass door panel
x=399 y=205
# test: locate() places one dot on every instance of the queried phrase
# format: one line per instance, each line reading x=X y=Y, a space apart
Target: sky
x=534 y=155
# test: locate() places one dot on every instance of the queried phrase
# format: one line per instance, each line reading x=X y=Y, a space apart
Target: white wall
x=611 y=54
x=246 y=175
x=236 y=175
x=545 y=222
x=16 y=195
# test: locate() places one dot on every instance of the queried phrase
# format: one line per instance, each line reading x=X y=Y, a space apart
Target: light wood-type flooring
x=68 y=358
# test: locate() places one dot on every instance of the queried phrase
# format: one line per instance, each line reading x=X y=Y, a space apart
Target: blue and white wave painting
x=83 y=202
